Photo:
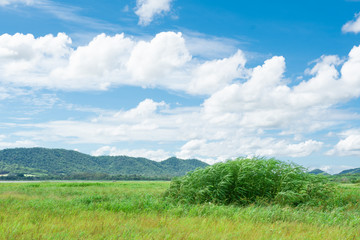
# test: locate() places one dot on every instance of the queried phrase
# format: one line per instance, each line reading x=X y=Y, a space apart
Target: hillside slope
x=350 y=171
x=318 y=171
x=60 y=161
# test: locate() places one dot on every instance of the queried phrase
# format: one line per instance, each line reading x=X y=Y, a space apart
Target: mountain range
x=350 y=171
x=43 y=161
x=60 y=162
x=345 y=172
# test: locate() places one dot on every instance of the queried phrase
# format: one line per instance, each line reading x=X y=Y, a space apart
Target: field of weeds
x=139 y=210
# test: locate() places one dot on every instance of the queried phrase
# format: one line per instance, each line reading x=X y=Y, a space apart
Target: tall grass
x=249 y=180
x=136 y=210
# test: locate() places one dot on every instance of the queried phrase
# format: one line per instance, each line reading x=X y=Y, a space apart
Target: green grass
x=252 y=180
x=138 y=210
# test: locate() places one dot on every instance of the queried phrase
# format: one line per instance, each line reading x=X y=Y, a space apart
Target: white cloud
x=108 y=61
x=155 y=61
x=15 y=144
x=95 y=66
x=153 y=121
x=144 y=110
x=283 y=148
x=213 y=75
x=331 y=169
x=210 y=47
x=242 y=105
x=11 y=2
x=8 y=92
x=155 y=155
x=192 y=148
x=246 y=145
x=266 y=101
x=349 y=145
x=147 y=9
x=27 y=61
x=353 y=25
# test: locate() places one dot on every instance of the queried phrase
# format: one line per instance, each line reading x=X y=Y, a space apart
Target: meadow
x=138 y=210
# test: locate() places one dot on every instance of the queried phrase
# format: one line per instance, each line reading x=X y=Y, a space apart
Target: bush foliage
x=251 y=180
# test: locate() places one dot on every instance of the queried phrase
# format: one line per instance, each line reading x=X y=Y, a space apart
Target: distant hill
x=350 y=171
x=318 y=171
x=43 y=161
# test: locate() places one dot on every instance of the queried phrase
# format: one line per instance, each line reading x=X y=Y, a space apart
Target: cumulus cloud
x=353 y=25
x=246 y=111
x=155 y=155
x=216 y=74
x=349 y=145
x=265 y=100
x=246 y=145
x=27 y=61
x=144 y=110
x=153 y=61
x=94 y=66
x=283 y=148
x=153 y=121
x=148 y=9
x=109 y=61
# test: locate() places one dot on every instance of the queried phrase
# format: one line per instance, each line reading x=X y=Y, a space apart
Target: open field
x=136 y=210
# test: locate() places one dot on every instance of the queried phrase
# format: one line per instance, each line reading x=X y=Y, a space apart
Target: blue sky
x=211 y=80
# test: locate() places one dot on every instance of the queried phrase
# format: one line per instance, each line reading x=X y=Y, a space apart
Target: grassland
x=137 y=210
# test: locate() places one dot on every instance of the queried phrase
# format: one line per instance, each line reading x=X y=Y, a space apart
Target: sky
x=212 y=80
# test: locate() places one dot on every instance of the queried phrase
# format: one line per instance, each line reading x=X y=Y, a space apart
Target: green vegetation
x=350 y=171
x=318 y=171
x=245 y=181
x=47 y=164
x=346 y=178
x=242 y=199
x=138 y=210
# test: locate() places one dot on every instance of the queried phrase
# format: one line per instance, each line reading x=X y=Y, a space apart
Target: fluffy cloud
x=353 y=25
x=266 y=101
x=27 y=61
x=246 y=111
x=108 y=61
x=214 y=151
x=283 y=148
x=96 y=65
x=147 y=9
x=153 y=62
x=15 y=144
x=156 y=155
x=153 y=121
x=216 y=74
x=349 y=145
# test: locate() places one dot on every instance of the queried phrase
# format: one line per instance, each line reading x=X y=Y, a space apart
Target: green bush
x=251 y=180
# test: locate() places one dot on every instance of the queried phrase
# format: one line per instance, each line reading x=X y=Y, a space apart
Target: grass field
x=137 y=210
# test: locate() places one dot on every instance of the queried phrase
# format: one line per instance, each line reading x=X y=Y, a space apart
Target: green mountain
x=42 y=161
x=318 y=171
x=350 y=171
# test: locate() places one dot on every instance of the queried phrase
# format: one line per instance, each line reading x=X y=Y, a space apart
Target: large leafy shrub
x=250 y=180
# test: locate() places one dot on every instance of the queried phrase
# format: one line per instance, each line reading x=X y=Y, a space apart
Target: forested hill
x=318 y=171
x=42 y=161
x=350 y=171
